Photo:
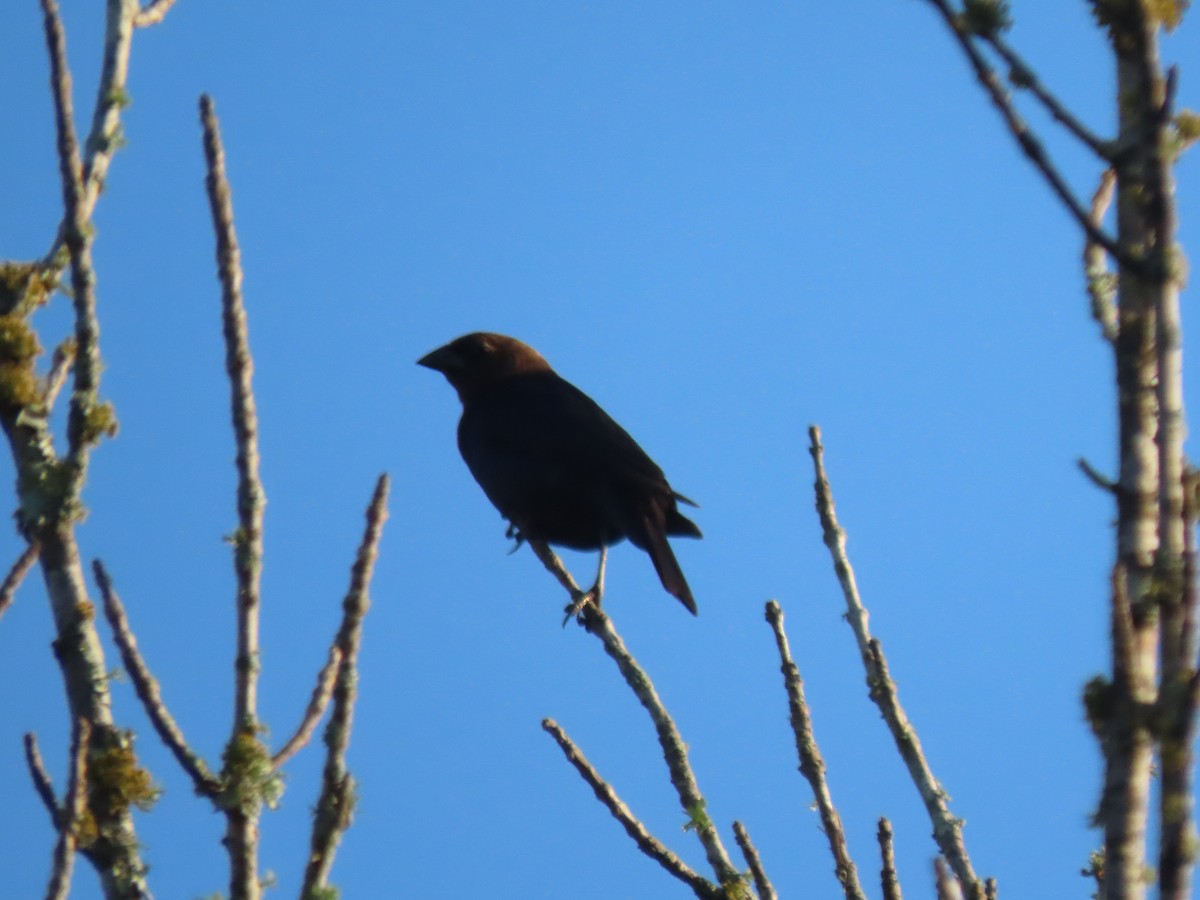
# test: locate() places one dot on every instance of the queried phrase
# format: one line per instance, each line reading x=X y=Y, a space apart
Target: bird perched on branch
x=553 y=462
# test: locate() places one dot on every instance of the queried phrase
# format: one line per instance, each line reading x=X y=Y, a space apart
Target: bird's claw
x=577 y=608
x=514 y=534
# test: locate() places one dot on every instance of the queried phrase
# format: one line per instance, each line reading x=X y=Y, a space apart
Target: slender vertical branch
x=947 y=830
x=812 y=765
x=1148 y=436
x=762 y=885
x=77 y=235
x=947 y=885
x=889 y=880
x=335 y=805
x=240 y=367
x=48 y=516
x=73 y=807
x=241 y=839
x=1101 y=284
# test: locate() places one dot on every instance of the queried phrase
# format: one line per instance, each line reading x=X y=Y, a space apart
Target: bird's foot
x=514 y=534
x=580 y=604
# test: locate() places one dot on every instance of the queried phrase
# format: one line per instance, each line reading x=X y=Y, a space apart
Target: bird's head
x=478 y=360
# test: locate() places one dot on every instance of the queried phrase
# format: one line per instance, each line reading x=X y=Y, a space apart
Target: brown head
x=480 y=359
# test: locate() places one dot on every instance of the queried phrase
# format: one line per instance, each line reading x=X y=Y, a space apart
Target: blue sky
x=722 y=221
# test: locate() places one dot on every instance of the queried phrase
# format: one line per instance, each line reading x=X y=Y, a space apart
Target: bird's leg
x=597 y=589
x=592 y=595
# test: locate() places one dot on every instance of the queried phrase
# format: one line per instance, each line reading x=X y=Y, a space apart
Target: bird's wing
x=541 y=433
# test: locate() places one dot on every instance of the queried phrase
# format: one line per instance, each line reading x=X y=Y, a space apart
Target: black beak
x=443 y=359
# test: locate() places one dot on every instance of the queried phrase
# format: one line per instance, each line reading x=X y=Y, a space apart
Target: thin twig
x=317 y=704
x=241 y=832
x=77 y=235
x=1095 y=476
x=645 y=841
x=12 y=581
x=335 y=805
x=1101 y=283
x=146 y=687
x=888 y=878
x=947 y=830
x=60 y=367
x=812 y=765
x=41 y=778
x=153 y=14
x=1026 y=139
x=674 y=749
x=1025 y=77
x=762 y=885
x=73 y=807
x=948 y=887
x=240 y=367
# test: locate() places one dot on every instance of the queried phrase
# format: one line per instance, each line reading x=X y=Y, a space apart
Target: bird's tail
x=665 y=563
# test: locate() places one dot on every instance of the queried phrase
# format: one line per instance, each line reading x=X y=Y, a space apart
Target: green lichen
x=985 y=18
x=99 y=421
x=697 y=817
x=119 y=98
x=115 y=784
x=737 y=888
x=1167 y=13
x=248 y=778
x=1095 y=871
x=18 y=342
x=19 y=387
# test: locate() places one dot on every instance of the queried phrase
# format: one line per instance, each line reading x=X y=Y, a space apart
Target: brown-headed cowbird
x=553 y=462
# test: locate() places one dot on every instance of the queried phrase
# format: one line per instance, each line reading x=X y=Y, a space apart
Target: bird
x=555 y=464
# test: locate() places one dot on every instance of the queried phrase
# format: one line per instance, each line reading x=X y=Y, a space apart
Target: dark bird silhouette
x=553 y=462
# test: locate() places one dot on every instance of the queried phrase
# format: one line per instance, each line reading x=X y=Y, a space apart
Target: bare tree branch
x=41 y=778
x=1101 y=283
x=947 y=830
x=60 y=367
x=148 y=691
x=645 y=841
x=812 y=765
x=12 y=581
x=762 y=885
x=73 y=807
x=674 y=750
x=1026 y=139
x=888 y=878
x=240 y=367
x=153 y=14
x=335 y=805
x=317 y=703
x=242 y=818
x=1095 y=476
x=948 y=887
x=77 y=235
x=47 y=516
x=1024 y=76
